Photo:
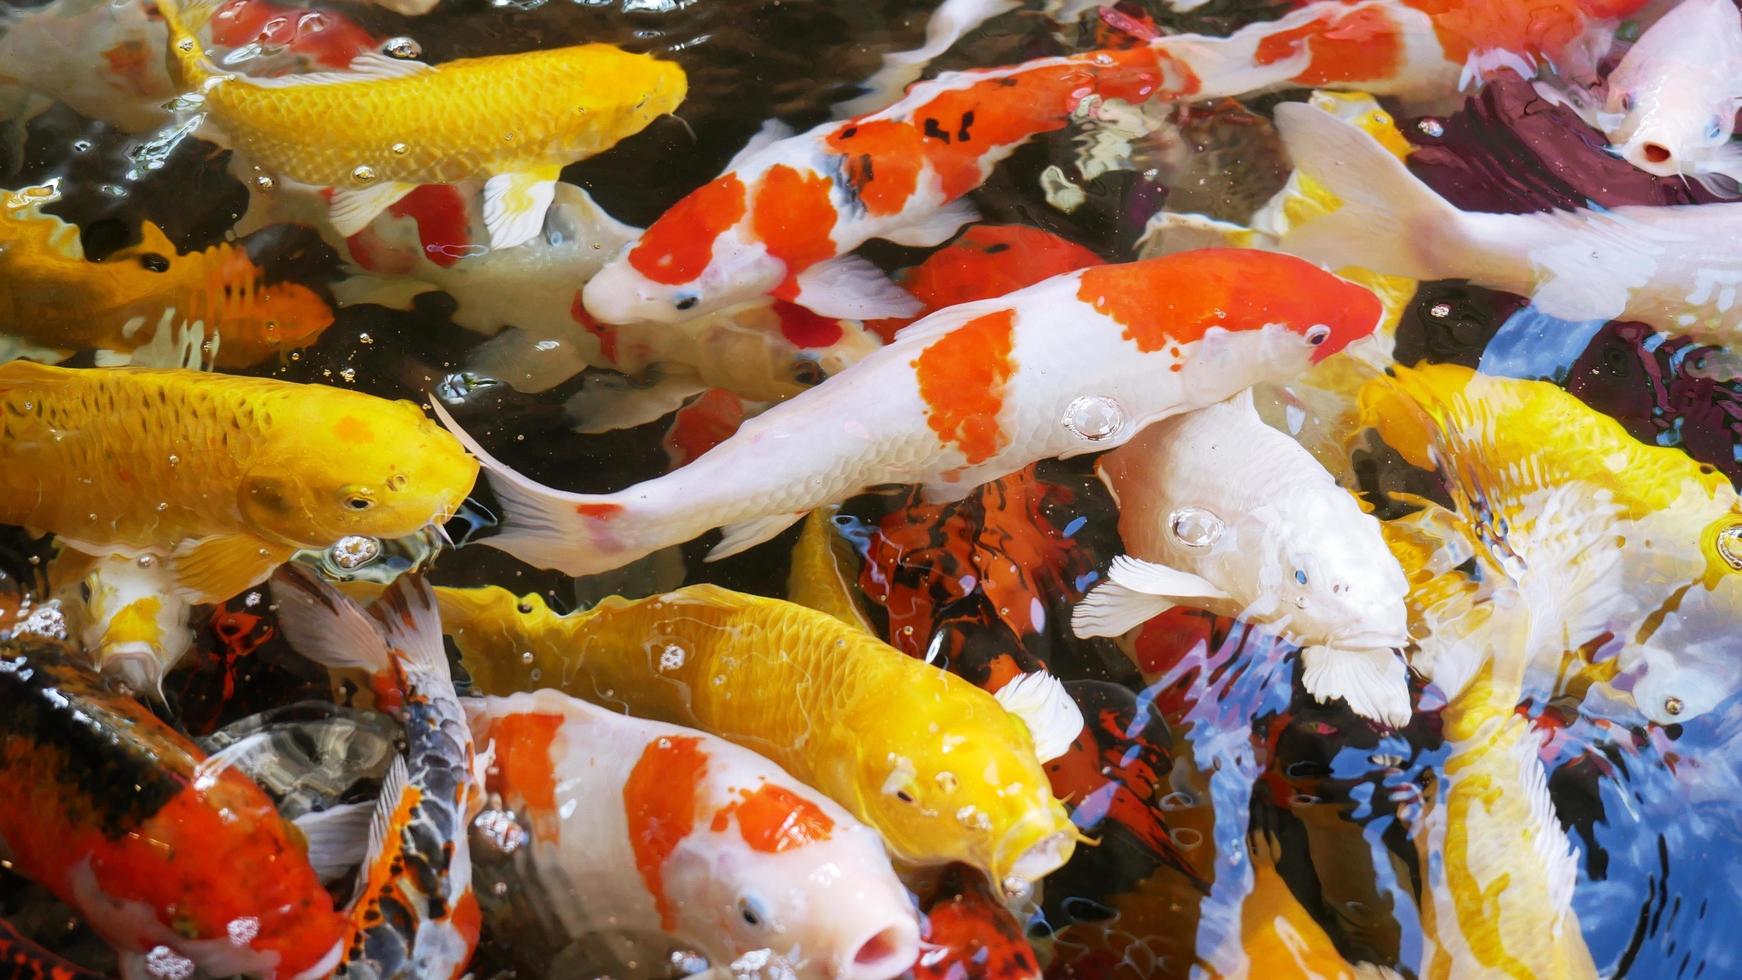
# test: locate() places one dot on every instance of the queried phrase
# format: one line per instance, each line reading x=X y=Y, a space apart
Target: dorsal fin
x=370 y=66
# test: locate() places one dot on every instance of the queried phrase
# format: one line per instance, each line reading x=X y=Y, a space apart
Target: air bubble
x=265 y=182
x=1094 y=417
x=399 y=149
x=403 y=48
x=355 y=551
x=1195 y=527
x=363 y=174
x=1440 y=310
x=1431 y=127
x=527 y=658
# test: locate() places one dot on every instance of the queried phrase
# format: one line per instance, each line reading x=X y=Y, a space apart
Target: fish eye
x=1317 y=334
x=904 y=796
x=1730 y=546
x=752 y=911
x=1714 y=129
x=85 y=591
x=153 y=262
x=1627 y=102
x=1300 y=576
x=809 y=373
x=686 y=302
x=358 y=502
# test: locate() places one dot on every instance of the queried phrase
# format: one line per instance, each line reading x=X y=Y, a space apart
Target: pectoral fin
x=514 y=205
x=351 y=209
x=1136 y=592
x=745 y=535
x=1043 y=704
x=213 y=569
x=1374 y=683
x=936 y=227
x=849 y=287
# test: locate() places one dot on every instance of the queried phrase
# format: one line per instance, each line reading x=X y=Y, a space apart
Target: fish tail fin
x=411 y=625
x=570 y=532
x=185 y=19
x=1228 y=66
x=324 y=625
x=1387 y=213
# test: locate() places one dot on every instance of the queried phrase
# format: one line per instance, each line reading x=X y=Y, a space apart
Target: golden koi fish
x=222 y=477
x=378 y=131
x=938 y=766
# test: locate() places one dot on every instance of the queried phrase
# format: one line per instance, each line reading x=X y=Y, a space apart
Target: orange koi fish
x=1075 y=364
x=969 y=933
x=986 y=261
x=190 y=868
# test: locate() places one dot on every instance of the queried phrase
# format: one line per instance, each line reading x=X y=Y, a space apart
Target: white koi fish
x=1671 y=267
x=1225 y=512
x=129 y=617
x=642 y=827
x=1074 y=364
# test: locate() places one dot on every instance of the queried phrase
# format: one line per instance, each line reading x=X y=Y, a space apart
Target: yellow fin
x=214 y=569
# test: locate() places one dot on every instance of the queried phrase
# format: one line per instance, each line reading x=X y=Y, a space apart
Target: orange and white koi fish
x=785 y=215
x=1672 y=101
x=373 y=133
x=190 y=867
x=642 y=826
x=1074 y=364
x=1667 y=266
x=1224 y=512
x=127 y=614
x=414 y=914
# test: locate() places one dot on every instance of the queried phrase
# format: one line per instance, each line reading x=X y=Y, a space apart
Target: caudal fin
x=187 y=62
x=1385 y=210
x=548 y=528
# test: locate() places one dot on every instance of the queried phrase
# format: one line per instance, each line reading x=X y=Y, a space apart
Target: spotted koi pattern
x=1075 y=363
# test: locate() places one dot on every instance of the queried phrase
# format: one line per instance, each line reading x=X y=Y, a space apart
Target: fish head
x=694 y=260
x=354 y=466
x=1672 y=138
x=132 y=621
x=1670 y=106
x=962 y=783
x=769 y=872
x=1687 y=666
x=1335 y=580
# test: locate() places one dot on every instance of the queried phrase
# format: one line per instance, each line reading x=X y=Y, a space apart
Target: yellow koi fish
x=144 y=304
x=938 y=766
x=816 y=579
x=377 y=131
x=222 y=477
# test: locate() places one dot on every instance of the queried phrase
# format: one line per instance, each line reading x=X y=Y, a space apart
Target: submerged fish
x=1667 y=266
x=146 y=303
x=1222 y=511
x=373 y=133
x=983 y=262
x=638 y=826
x=1075 y=364
x=784 y=217
x=1619 y=538
x=130 y=620
x=191 y=867
x=414 y=915
x=1671 y=103
x=938 y=766
x=270 y=467
x=968 y=932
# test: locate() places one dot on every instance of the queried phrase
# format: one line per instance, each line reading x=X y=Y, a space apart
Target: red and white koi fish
x=414 y=914
x=784 y=216
x=1672 y=267
x=1672 y=101
x=646 y=827
x=1074 y=364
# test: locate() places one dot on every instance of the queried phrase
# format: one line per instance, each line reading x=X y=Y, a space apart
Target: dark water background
x=1226 y=738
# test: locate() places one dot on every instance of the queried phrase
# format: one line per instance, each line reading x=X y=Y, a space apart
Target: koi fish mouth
x=1037 y=859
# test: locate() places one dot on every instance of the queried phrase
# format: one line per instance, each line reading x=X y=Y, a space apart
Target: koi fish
x=414 y=914
x=867 y=739
x=146 y=303
x=639 y=826
x=968 y=932
x=1672 y=101
x=194 y=868
x=818 y=577
x=1539 y=480
x=1074 y=364
x=784 y=216
x=129 y=619
x=1655 y=264
x=1224 y=512
x=271 y=467
x=375 y=132
x=1278 y=937
x=983 y=262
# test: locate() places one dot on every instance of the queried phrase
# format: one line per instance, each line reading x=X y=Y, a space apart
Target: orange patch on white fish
x=962 y=377
x=793 y=219
x=679 y=246
x=1362 y=44
x=884 y=159
x=659 y=799
x=774 y=819
x=524 y=769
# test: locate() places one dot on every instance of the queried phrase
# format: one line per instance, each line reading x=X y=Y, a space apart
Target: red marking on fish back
x=659 y=799
x=702 y=424
x=1359 y=45
x=794 y=216
x=884 y=159
x=962 y=377
x=525 y=771
x=1530 y=28
x=601 y=512
x=443 y=224
x=468 y=920
x=986 y=261
x=605 y=332
x=774 y=819
x=678 y=247
x=1166 y=638
x=389 y=695
x=804 y=329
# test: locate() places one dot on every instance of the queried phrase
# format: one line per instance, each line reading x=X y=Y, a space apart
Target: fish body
x=784 y=216
x=191 y=867
x=1672 y=101
x=414 y=915
x=222 y=477
x=385 y=126
x=642 y=827
x=129 y=618
x=970 y=933
x=147 y=301
x=940 y=768
x=983 y=262
x=1074 y=364
x=1220 y=510
x=819 y=577
x=1636 y=546
x=1666 y=266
